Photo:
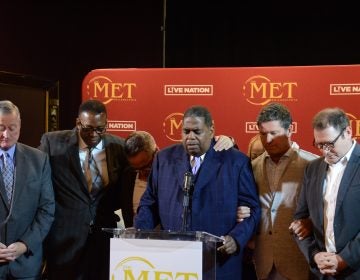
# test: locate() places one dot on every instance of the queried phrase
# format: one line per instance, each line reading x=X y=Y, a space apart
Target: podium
x=147 y=255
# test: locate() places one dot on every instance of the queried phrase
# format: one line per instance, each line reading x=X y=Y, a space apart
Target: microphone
x=188 y=182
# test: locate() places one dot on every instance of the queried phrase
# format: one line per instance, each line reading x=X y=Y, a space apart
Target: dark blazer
x=73 y=243
x=225 y=181
x=31 y=213
x=347 y=213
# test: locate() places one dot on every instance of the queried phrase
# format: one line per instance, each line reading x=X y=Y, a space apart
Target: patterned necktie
x=195 y=164
x=93 y=175
x=8 y=175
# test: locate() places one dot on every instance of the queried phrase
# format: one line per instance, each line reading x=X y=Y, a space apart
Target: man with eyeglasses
x=330 y=197
x=87 y=169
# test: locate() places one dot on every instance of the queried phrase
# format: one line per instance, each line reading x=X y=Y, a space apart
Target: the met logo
x=259 y=90
x=138 y=268
x=355 y=125
x=172 y=126
x=102 y=88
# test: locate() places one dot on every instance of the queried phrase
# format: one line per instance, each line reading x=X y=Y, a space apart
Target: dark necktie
x=8 y=174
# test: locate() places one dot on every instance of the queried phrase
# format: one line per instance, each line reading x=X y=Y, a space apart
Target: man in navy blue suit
x=223 y=182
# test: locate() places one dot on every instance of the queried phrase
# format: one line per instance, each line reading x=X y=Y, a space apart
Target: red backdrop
x=154 y=99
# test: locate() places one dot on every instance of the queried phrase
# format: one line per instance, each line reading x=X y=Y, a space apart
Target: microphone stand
x=188 y=188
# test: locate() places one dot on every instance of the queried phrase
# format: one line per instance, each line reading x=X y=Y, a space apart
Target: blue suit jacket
x=224 y=181
x=347 y=213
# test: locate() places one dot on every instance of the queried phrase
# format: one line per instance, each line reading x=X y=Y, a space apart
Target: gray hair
x=7 y=107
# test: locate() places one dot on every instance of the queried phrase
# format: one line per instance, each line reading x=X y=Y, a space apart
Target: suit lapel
x=73 y=155
x=351 y=169
x=319 y=190
x=207 y=169
x=21 y=163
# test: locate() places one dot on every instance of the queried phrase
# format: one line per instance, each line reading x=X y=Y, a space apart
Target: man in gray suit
x=26 y=200
x=76 y=247
x=330 y=196
x=278 y=173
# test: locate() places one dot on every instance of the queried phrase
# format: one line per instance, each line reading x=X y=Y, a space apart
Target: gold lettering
x=116 y=87
x=254 y=88
x=186 y=276
x=128 y=275
x=159 y=275
x=129 y=86
x=290 y=87
x=272 y=90
x=118 y=90
x=98 y=87
x=174 y=125
x=274 y=87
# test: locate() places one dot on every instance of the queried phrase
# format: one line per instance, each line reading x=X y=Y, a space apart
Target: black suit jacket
x=347 y=213
x=72 y=240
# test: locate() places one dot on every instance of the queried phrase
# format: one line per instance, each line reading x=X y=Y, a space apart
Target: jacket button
x=270 y=232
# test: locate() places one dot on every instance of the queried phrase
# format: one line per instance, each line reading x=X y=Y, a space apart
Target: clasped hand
x=329 y=263
x=11 y=252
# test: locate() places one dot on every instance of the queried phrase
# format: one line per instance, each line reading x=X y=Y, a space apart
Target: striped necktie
x=92 y=173
x=195 y=164
x=7 y=174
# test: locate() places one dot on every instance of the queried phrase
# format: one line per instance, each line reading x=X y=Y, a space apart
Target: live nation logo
x=172 y=126
x=251 y=127
x=106 y=90
x=260 y=90
x=344 y=89
x=121 y=125
x=188 y=90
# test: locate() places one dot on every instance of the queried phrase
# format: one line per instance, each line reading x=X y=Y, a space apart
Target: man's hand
x=326 y=263
x=229 y=245
x=223 y=143
x=302 y=228
x=242 y=213
x=11 y=252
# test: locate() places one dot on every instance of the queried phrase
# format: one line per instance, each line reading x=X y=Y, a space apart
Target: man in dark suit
x=223 y=182
x=26 y=200
x=140 y=149
x=330 y=196
x=76 y=247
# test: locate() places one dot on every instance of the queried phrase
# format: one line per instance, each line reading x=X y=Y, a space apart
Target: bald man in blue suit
x=223 y=182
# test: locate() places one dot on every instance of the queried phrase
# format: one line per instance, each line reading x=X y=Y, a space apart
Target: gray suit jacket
x=347 y=213
x=31 y=213
x=75 y=210
x=274 y=244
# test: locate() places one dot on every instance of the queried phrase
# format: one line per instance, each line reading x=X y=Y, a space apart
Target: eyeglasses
x=88 y=129
x=328 y=145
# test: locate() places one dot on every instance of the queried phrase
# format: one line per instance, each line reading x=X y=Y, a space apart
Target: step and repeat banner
x=155 y=99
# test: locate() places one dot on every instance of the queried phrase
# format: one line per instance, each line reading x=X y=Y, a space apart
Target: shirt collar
x=10 y=151
x=201 y=157
x=346 y=157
